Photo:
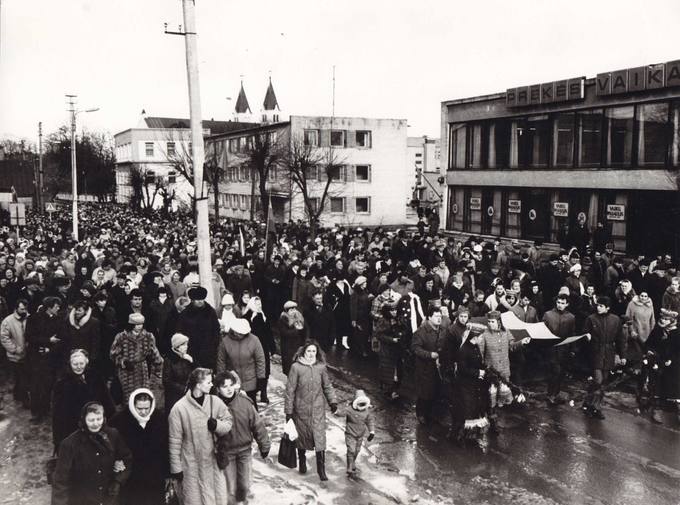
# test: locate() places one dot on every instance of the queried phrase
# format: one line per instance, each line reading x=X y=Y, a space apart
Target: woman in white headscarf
x=261 y=328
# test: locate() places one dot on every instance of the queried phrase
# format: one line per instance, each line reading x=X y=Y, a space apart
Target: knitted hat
x=361 y=401
x=668 y=314
x=289 y=305
x=228 y=299
x=360 y=280
x=493 y=314
x=178 y=339
x=135 y=318
x=240 y=326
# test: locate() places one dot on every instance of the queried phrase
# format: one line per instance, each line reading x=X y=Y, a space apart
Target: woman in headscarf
x=292 y=332
x=261 y=328
x=177 y=366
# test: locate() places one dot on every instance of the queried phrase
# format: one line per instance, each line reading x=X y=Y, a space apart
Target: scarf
x=415 y=311
x=306 y=361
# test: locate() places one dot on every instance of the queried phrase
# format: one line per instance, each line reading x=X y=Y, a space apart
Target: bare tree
x=312 y=172
x=264 y=152
x=146 y=186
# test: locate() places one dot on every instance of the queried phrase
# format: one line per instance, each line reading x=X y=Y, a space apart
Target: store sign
x=514 y=206
x=475 y=203
x=490 y=211
x=616 y=212
x=660 y=75
x=548 y=92
x=560 y=209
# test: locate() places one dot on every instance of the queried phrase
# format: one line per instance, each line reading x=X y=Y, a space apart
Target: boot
x=302 y=461
x=263 y=392
x=344 y=343
x=656 y=417
x=321 y=465
x=349 y=465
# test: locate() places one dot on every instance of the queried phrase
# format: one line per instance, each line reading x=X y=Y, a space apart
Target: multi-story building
x=532 y=162
x=424 y=155
x=373 y=180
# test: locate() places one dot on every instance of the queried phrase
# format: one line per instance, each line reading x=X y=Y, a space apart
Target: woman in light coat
x=307 y=391
x=195 y=422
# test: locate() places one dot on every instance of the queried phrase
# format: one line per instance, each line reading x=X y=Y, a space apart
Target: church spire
x=242 y=106
x=270 y=102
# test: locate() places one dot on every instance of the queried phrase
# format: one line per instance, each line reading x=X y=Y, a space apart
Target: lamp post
x=74 y=173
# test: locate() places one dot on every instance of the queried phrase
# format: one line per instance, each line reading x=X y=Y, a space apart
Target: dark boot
x=302 y=461
x=263 y=392
x=321 y=465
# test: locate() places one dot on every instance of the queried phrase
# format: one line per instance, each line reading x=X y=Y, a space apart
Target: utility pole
x=198 y=155
x=74 y=174
x=41 y=203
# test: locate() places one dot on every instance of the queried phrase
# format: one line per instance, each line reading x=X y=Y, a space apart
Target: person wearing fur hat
x=242 y=352
x=145 y=431
x=358 y=421
x=177 y=366
x=228 y=315
x=81 y=331
x=664 y=344
x=135 y=356
x=199 y=322
x=292 y=331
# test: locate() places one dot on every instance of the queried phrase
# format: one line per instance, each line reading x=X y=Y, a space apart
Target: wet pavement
x=541 y=455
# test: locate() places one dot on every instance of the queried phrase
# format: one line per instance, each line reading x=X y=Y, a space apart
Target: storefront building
x=533 y=161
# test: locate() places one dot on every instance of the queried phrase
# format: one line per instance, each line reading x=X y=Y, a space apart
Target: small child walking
x=359 y=421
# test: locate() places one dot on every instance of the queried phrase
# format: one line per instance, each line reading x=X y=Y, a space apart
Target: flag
x=15 y=197
x=241 y=241
x=271 y=228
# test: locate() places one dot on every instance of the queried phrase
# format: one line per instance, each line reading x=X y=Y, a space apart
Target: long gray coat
x=307 y=391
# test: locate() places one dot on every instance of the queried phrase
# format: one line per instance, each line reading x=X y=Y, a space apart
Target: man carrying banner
x=562 y=324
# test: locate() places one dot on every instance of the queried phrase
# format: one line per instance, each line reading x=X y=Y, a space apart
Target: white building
x=424 y=158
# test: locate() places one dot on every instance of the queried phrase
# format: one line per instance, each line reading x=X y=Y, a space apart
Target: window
x=478 y=140
x=148 y=146
x=244 y=203
x=172 y=177
x=312 y=173
x=653 y=128
x=419 y=155
x=171 y=148
x=337 y=205
x=233 y=145
x=619 y=124
x=563 y=140
x=457 y=143
x=590 y=138
x=149 y=177
x=271 y=175
x=499 y=144
x=363 y=205
x=363 y=173
x=276 y=118
x=533 y=142
x=245 y=173
x=338 y=138
x=363 y=138
x=337 y=173
x=311 y=137
x=314 y=204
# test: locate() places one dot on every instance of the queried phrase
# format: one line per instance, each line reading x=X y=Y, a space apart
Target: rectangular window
x=337 y=173
x=499 y=144
x=233 y=145
x=314 y=204
x=363 y=138
x=244 y=203
x=148 y=147
x=363 y=173
x=311 y=137
x=271 y=175
x=477 y=148
x=589 y=138
x=171 y=148
x=419 y=155
x=337 y=205
x=338 y=138
x=311 y=173
x=533 y=137
x=653 y=129
x=363 y=205
x=619 y=128
x=172 y=177
x=457 y=144
x=563 y=140
x=149 y=177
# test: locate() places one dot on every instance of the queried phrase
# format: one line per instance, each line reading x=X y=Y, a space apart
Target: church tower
x=271 y=112
x=242 y=112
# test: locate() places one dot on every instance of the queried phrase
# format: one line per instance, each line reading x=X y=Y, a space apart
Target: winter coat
x=135 y=358
x=302 y=293
x=321 y=323
x=261 y=329
x=495 y=347
x=149 y=447
x=159 y=314
x=562 y=325
x=40 y=327
x=84 y=468
x=666 y=343
x=671 y=300
x=426 y=340
x=338 y=300
x=246 y=426
x=71 y=392
x=641 y=314
x=358 y=422
x=244 y=355
x=176 y=371
x=290 y=340
x=238 y=280
x=606 y=340
x=83 y=334
x=390 y=354
x=202 y=327
x=12 y=337
x=471 y=391
x=177 y=289
x=528 y=315
x=192 y=448
x=360 y=308
x=307 y=391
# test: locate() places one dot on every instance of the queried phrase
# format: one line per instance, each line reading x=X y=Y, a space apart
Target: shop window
x=590 y=138
x=499 y=144
x=563 y=140
x=457 y=144
x=619 y=124
x=533 y=142
x=478 y=142
x=652 y=126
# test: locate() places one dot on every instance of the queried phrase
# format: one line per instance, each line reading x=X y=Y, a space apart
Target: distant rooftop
x=215 y=127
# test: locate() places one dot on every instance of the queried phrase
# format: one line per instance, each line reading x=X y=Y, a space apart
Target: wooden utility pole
x=41 y=203
x=74 y=173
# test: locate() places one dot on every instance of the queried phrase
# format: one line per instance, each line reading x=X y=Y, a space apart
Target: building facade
x=533 y=162
x=424 y=155
x=372 y=185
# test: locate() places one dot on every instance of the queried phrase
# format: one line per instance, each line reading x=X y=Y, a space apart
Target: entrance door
x=487 y=211
x=536 y=215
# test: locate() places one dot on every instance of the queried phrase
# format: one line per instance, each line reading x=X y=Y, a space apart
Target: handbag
x=287 y=452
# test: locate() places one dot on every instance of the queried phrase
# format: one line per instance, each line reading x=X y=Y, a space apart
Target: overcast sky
x=394 y=59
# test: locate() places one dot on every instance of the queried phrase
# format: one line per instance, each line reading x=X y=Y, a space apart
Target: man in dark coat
x=199 y=322
x=427 y=344
x=145 y=431
x=320 y=322
x=562 y=324
x=607 y=345
x=82 y=331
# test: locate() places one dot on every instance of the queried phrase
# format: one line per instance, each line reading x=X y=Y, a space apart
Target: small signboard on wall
x=616 y=212
x=514 y=206
x=561 y=209
x=475 y=203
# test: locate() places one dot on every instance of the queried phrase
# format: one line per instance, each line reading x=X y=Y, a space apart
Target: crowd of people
x=91 y=328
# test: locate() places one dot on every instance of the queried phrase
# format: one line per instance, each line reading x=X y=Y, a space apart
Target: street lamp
x=74 y=174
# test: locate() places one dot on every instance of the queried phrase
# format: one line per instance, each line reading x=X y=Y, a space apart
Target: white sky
x=394 y=59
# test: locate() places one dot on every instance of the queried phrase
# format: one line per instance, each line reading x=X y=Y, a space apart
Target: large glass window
x=590 y=138
x=499 y=143
x=563 y=140
x=478 y=140
x=653 y=129
x=619 y=123
x=457 y=143
x=533 y=142
x=675 y=145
